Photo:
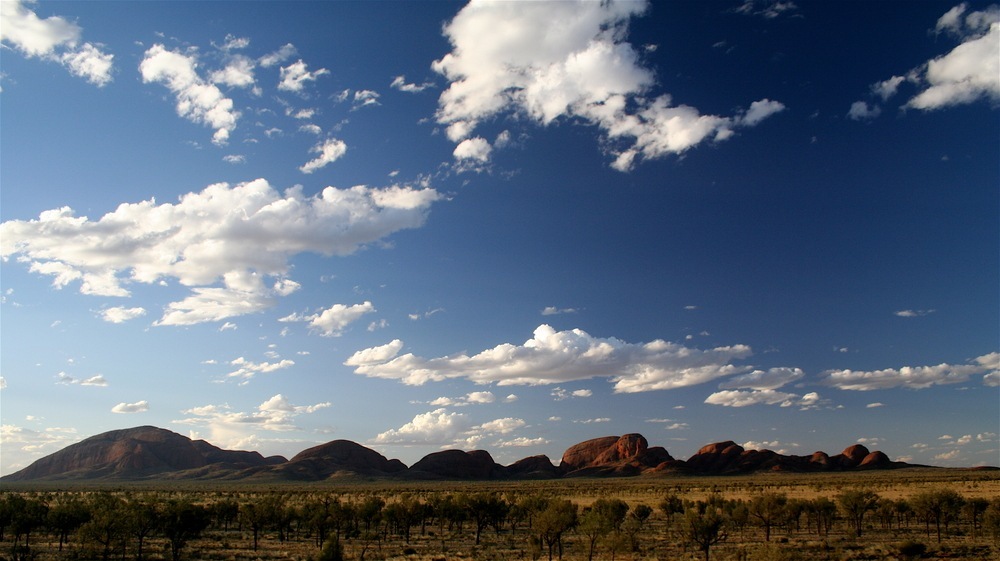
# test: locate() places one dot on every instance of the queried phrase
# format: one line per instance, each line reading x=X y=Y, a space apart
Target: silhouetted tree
x=182 y=521
x=768 y=509
x=704 y=529
x=558 y=517
x=937 y=507
x=856 y=504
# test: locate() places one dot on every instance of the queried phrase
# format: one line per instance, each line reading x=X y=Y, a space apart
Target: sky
x=507 y=226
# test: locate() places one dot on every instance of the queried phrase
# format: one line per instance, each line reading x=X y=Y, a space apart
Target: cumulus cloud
x=284 y=53
x=365 y=98
x=581 y=68
x=198 y=100
x=861 y=111
x=400 y=83
x=744 y=398
x=967 y=73
x=770 y=379
x=97 y=380
x=477 y=149
x=241 y=236
x=137 y=407
x=237 y=429
x=295 y=75
x=332 y=321
x=434 y=427
x=329 y=150
x=521 y=442
x=56 y=39
x=238 y=73
x=912 y=377
x=552 y=357
x=246 y=369
x=121 y=314
x=554 y=311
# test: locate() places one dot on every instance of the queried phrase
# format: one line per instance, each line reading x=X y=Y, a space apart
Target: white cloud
x=744 y=398
x=581 y=68
x=887 y=88
x=3 y=383
x=521 y=442
x=966 y=74
x=237 y=430
x=400 y=83
x=552 y=357
x=90 y=63
x=477 y=149
x=364 y=98
x=861 y=111
x=197 y=100
x=237 y=73
x=235 y=43
x=286 y=52
x=294 y=76
x=952 y=455
x=53 y=38
x=554 y=311
x=329 y=150
x=311 y=129
x=912 y=377
x=768 y=9
x=511 y=398
x=506 y=425
x=234 y=159
x=592 y=421
x=434 y=427
x=137 y=407
x=582 y=393
x=96 y=380
x=121 y=314
x=770 y=379
x=773 y=445
x=22 y=445
x=913 y=313
x=246 y=369
x=874 y=405
x=332 y=321
x=234 y=235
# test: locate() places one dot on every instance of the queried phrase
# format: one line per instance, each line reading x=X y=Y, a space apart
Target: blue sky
x=509 y=226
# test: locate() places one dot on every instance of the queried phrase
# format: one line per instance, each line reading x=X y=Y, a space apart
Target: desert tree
x=768 y=509
x=937 y=507
x=600 y=519
x=671 y=504
x=107 y=526
x=559 y=517
x=974 y=510
x=259 y=514
x=143 y=517
x=65 y=516
x=856 y=503
x=29 y=514
x=703 y=528
x=182 y=521
x=224 y=512
x=991 y=519
x=822 y=512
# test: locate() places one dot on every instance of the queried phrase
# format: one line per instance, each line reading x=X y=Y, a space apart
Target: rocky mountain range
x=151 y=453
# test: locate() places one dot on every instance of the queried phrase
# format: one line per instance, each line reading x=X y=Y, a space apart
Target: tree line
x=121 y=525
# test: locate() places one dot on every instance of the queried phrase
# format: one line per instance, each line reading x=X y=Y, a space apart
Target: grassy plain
x=660 y=537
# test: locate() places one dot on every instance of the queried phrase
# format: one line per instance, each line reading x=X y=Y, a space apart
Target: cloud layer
x=240 y=236
x=508 y=57
x=552 y=357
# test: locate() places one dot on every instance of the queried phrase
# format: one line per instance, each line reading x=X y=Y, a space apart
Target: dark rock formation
x=612 y=455
x=335 y=457
x=456 y=464
x=135 y=453
x=154 y=453
x=533 y=467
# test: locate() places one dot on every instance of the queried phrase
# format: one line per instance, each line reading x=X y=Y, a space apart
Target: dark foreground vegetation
x=899 y=515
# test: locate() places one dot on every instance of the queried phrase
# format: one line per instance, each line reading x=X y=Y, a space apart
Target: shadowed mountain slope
x=151 y=453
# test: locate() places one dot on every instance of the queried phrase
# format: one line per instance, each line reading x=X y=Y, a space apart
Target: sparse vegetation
x=761 y=517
